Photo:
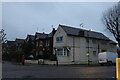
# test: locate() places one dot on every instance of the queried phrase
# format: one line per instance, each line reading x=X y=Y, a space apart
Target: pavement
x=13 y=70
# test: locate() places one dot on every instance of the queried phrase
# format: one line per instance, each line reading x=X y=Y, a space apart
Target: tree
x=2 y=41
x=2 y=36
x=28 y=47
x=111 y=20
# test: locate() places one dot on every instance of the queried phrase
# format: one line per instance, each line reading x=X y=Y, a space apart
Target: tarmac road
x=11 y=70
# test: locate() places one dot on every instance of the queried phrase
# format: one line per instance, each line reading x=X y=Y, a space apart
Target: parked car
x=107 y=58
x=30 y=57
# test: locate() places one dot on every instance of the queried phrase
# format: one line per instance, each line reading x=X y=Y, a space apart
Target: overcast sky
x=22 y=18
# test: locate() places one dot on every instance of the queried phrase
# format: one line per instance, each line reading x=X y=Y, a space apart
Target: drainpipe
x=88 y=48
x=73 y=49
x=98 y=46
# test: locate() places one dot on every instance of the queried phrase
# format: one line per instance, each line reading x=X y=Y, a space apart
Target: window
x=94 y=53
x=63 y=52
x=40 y=43
x=68 y=51
x=36 y=43
x=59 y=52
x=94 y=41
x=40 y=52
x=59 y=39
x=47 y=43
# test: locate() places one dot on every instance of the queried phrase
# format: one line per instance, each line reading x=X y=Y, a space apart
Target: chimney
x=90 y=30
x=81 y=33
x=53 y=31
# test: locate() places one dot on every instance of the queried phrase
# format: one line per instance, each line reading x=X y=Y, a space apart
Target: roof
x=76 y=32
x=19 y=40
x=43 y=35
x=40 y=35
x=31 y=36
x=51 y=34
x=11 y=43
x=112 y=42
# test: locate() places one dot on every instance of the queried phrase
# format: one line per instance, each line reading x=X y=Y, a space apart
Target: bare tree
x=111 y=20
x=2 y=36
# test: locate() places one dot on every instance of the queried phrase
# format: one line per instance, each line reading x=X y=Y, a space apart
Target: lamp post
x=56 y=57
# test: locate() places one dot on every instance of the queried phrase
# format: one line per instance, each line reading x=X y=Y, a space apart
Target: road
x=11 y=70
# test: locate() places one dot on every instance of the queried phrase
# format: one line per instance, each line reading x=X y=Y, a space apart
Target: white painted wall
x=78 y=48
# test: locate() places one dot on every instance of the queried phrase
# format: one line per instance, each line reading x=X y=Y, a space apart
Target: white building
x=72 y=45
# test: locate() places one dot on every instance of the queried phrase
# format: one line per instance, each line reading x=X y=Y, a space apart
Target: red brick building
x=44 y=43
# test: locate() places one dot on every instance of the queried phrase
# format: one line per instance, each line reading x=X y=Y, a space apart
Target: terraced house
x=74 y=45
x=44 y=44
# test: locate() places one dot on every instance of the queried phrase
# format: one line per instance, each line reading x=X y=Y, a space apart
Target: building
x=11 y=47
x=19 y=44
x=29 y=45
x=44 y=44
x=9 y=50
x=79 y=46
x=40 y=40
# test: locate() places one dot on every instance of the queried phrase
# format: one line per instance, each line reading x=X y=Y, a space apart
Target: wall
x=79 y=47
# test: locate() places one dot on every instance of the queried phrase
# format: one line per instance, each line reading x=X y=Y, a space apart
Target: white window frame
x=64 y=52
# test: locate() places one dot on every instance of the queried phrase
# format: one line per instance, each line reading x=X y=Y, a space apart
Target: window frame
x=59 y=39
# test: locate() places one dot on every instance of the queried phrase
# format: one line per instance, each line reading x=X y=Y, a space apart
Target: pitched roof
x=76 y=32
x=43 y=35
x=31 y=36
x=40 y=35
x=51 y=34
x=112 y=42
x=11 y=43
x=20 y=40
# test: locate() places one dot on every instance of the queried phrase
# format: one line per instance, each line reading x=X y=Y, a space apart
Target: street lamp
x=56 y=57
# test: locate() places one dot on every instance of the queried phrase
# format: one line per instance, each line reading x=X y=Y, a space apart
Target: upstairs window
x=59 y=39
x=41 y=43
x=47 y=43
x=37 y=44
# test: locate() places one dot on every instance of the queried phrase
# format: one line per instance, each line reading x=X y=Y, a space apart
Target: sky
x=22 y=18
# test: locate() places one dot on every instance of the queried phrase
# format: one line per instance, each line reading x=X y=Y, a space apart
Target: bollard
x=118 y=68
